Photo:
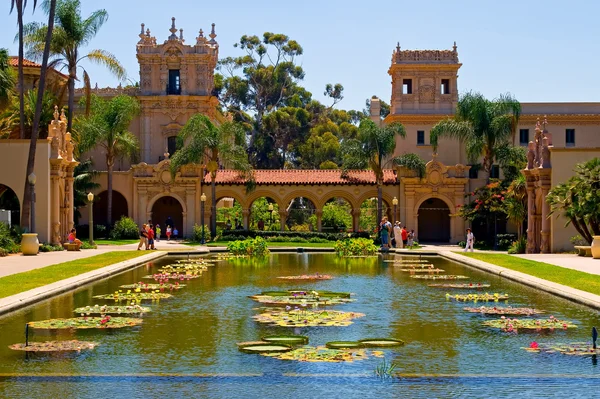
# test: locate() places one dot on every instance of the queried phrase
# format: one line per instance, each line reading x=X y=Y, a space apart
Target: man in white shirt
x=398 y=235
x=470 y=241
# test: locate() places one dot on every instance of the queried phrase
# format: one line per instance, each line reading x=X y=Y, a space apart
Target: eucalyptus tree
x=71 y=34
x=373 y=148
x=483 y=126
x=202 y=142
x=107 y=126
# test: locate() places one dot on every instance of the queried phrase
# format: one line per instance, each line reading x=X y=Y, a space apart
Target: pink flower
x=534 y=345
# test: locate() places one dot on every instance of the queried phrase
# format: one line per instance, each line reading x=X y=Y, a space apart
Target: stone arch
x=222 y=194
x=9 y=200
x=120 y=206
x=328 y=196
x=263 y=193
x=439 y=218
x=300 y=193
x=159 y=213
x=273 y=217
x=324 y=223
x=298 y=215
x=373 y=194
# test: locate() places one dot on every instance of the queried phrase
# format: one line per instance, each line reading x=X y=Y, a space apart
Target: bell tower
x=424 y=81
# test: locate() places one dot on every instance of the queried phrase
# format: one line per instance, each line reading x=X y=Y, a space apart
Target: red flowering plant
x=487 y=201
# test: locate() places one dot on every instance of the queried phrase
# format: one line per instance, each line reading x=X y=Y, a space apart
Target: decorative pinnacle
x=398 y=47
x=454 y=47
x=56 y=113
x=212 y=33
x=537 y=124
x=181 y=34
x=201 y=33
x=544 y=123
x=148 y=32
x=142 y=32
x=173 y=30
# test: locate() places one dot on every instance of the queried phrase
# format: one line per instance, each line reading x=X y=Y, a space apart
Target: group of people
x=397 y=236
x=150 y=233
x=238 y=225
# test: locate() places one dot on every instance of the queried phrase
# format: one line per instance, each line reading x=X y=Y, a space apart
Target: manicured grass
x=17 y=283
x=572 y=278
x=105 y=241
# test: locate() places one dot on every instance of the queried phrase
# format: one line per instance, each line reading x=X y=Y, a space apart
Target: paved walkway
x=569 y=261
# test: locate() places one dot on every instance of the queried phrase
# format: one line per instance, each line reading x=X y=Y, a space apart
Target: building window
x=473 y=172
x=407 y=86
x=570 y=137
x=420 y=137
x=445 y=87
x=173 y=87
x=523 y=136
x=495 y=172
x=171 y=145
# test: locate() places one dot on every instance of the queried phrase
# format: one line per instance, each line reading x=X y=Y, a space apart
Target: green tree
x=107 y=126
x=212 y=145
x=373 y=148
x=11 y=120
x=483 y=126
x=71 y=34
x=83 y=183
x=7 y=78
x=515 y=203
x=322 y=145
x=578 y=199
x=412 y=162
x=383 y=112
x=285 y=128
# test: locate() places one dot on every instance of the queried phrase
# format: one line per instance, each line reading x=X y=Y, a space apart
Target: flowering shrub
x=488 y=200
x=197 y=233
x=250 y=247
x=355 y=247
x=124 y=228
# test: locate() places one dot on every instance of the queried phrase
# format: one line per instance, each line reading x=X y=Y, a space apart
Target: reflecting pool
x=187 y=344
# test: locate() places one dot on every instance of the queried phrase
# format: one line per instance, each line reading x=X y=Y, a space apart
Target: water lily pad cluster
x=462 y=286
x=506 y=310
x=153 y=287
x=513 y=325
x=134 y=296
x=302 y=298
x=310 y=277
x=108 y=309
x=184 y=268
x=440 y=277
x=164 y=277
x=477 y=297
x=80 y=323
x=422 y=270
x=307 y=318
x=571 y=349
x=321 y=354
x=55 y=346
x=406 y=261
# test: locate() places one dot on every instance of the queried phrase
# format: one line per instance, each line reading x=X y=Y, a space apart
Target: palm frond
x=450 y=128
x=103 y=57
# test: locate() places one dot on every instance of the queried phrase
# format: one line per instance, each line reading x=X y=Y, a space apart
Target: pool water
x=187 y=344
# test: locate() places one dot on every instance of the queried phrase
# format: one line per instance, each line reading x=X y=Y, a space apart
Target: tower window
x=420 y=137
x=473 y=172
x=171 y=145
x=407 y=86
x=495 y=172
x=523 y=136
x=445 y=87
x=173 y=87
x=570 y=137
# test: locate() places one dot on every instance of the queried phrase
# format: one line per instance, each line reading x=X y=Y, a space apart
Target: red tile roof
x=14 y=62
x=304 y=176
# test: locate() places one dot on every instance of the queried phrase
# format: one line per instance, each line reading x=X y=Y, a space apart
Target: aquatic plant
x=302 y=297
x=55 y=346
x=459 y=285
x=287 y=339
x=191 y=268
x=406 y=261
x=507 y=310
x=163 y=277
x=477 y=297
x=380 y=342
x=385 y=369
x=316 y=276
x=301 y=317
x=513 y=325
x=322 y=354
x=344 y=345
x=440 y=277
x=80 y=323
x=146 y=287
x=134 y=296
x=422 y=270
x=355 y=247
x=571 y=349
x=107 y=309
x=265 y=348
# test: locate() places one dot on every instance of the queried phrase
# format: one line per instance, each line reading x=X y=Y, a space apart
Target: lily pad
x=265 y=348
x=184 y=268
x=307 y=318
x=55 y=346
x=571 y=349
x=513 y=325
x=322 y=354
x=441 y=277
x=507 y=310
x=344 y=345
x=171 y=276
x=466 y=286
x=478 y=297
x=106 y=309
x=309 y=277
x=407 y=261
x=153 y=287
x=248 y=343
x=287 y=339
x=80 y=323
x=381 y=342
x=302 y=298
x=422 y=270
x=134 y=296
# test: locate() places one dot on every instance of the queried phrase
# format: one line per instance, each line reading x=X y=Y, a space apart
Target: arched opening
x=300 y=211
x=10 y=207
x=336 y=216
x=119 y=207
x=434 y=221
x=368 y=215
x=261 y=215
x=229 y=214
x=167 y=211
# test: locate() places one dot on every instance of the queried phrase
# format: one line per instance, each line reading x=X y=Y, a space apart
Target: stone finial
x=454 y=47
x=212 y=33
x=56 y=113
x=398 y=47
x=62 y=115
x=148 y=32
x=181 y=35
x=142 y=31
x=166 y=154
x=545 y=154
x=201 y=33
x=96 y=86
x=173 y=30
x=530 y=155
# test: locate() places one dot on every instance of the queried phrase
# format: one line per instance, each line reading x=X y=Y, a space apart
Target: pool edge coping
x=560 y=290
x=27 y=298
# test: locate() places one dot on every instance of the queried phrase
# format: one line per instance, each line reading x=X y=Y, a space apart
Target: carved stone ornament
x=427 y=94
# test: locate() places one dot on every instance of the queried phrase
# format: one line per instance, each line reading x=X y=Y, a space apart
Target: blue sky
x=537 y=50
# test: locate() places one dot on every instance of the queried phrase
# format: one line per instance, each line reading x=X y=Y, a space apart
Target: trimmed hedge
x=233 y=235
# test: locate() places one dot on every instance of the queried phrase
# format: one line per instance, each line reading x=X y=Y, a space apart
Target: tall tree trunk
x=379 y=203
x=213 y=209
x=72 y=77
x=21 y=77
x=110 y=161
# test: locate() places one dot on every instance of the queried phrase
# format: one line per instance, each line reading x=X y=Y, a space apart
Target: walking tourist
x=470 y=241
x=175 y=233
x=385 y=228
x=168 y=232
x=404 y=235
x=398 y=235
x=411 y=238
x=157 y=230
x=143 y=237
x=150 y=237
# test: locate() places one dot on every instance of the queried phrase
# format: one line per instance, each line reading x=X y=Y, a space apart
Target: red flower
x=534 y=345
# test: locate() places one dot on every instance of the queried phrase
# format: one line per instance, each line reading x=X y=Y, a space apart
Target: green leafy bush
x=290 y=235
x=50 y=248
x=125 y=228
x=250 y=247
x=518 y=247
x=355 y=247
x=197 y=233
x=505 y=241
x=8 y=240
x=87 y=245
x=579 y=241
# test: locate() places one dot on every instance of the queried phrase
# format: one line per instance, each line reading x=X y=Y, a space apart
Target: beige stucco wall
x=563 y=164
x=13 y=166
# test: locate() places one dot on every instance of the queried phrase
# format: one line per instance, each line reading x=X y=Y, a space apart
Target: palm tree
x=482 y=125
x=7 y=78
x=209 y=144
x=515 y=203
x=20 y=6
x=83 y=182
x=108 y=126
x=10 y=120
x=72 y=32
x=373 y=149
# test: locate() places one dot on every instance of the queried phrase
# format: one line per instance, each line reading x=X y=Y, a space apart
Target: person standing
x=411 y=238
x=385 y=227
x=168 y=232
x=143 y=237
x=404 y=235
x=175 y=233
x=158 y=231
x=398 y=235
x=470 y=241
x=150 y=237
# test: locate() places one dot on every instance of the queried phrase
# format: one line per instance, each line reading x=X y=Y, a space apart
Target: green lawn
x=21 y=282
x=105 y=241
x=572 y=278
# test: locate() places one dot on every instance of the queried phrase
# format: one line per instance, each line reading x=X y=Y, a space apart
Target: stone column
x=319 y=214
x=142 y=205
x=246 y=218
x=356 y=219
x=283 y=214
x=71 y=198
x=545 y=220
x=530 y=219
x=56 y=230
